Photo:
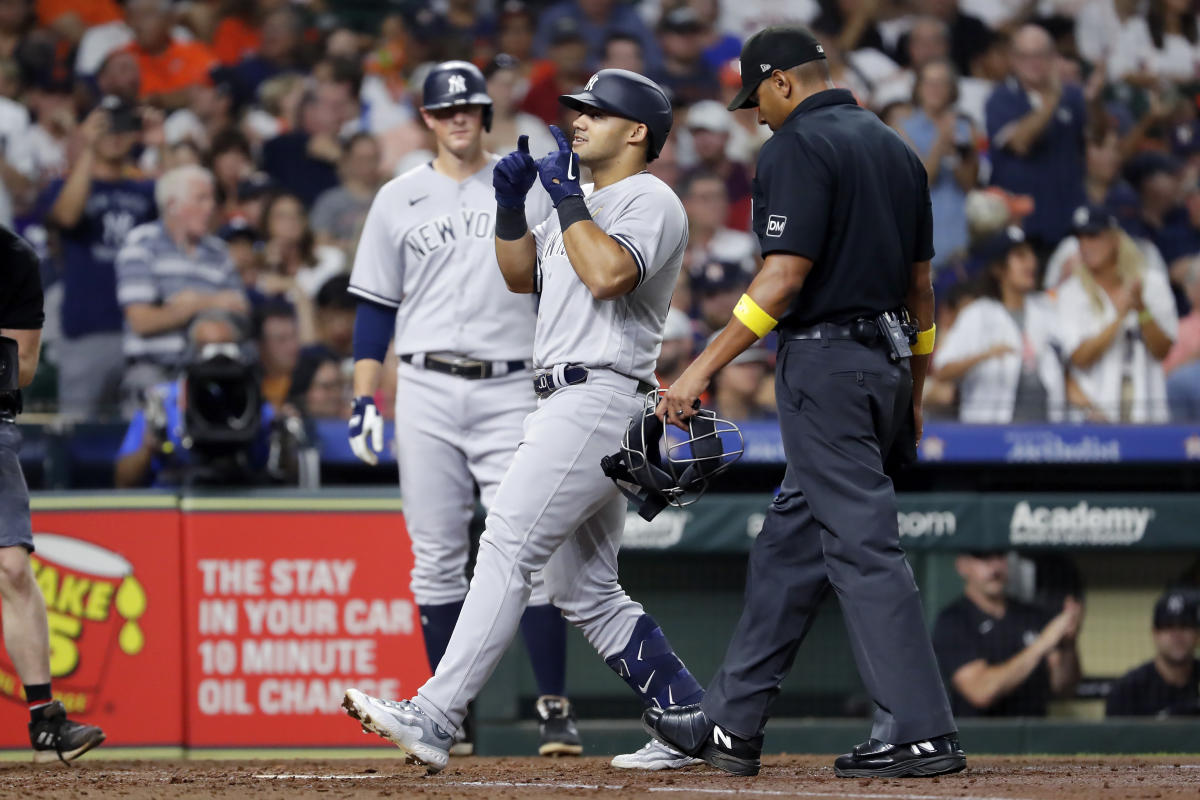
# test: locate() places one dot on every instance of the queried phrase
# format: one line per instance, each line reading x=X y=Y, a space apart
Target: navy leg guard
x=545 y=634
x=437 y=623
x=652 y=670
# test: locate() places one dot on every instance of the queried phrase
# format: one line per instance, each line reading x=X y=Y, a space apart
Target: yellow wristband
x=753 y=317
x=925 y=339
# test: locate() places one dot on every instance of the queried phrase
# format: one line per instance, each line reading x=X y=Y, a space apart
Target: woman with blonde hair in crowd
x=1001 y=350
x=1118 y=321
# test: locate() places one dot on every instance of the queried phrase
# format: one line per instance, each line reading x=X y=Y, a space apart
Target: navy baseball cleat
x=940 y=755
x=403 y=724
x=56 y=738
x=687 y=730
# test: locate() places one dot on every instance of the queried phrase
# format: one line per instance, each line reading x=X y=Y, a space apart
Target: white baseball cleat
x=654 y=756
x=403 y=724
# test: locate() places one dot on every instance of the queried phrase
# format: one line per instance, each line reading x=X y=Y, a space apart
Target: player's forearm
x=983 y=685
x=1090 y=351
x=29 y=348
x=1027 y=130
x=919 y=303
x=130 y=470
x=1064 y=670
x=367 y=372
x=605 y=267
x=518 y=263
x=72 y=200
x=147 y=320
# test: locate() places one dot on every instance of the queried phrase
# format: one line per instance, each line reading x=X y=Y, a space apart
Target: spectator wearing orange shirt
x=170 y=68
x=69 y=18
x=236 y=35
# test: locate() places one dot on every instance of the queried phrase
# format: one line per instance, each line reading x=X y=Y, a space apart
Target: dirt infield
x=800 y=777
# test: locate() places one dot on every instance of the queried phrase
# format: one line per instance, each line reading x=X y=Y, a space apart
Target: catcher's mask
x=667 y=470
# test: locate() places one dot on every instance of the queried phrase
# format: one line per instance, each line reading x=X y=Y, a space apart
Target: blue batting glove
x=366 y=430
x=559 y=170
x=513 y=176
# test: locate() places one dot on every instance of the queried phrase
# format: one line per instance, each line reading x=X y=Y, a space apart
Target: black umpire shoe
x=54 y=737
x=687 y=730
x=941 y=755
x=556 y=727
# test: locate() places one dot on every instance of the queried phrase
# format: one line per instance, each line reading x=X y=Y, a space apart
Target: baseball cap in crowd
x=1146 y=165
x=776 y=47
x=682 y=19
x=997 y=246
x=1177 y=608
x=709 y=115
x=123 y=118
x=254 y=186
x=238 y=229
x=717 y=276
x=564 y=30
x=1092 y=219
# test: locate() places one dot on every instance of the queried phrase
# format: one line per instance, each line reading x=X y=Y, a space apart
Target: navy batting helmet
x=629 y=95
x=457 y=83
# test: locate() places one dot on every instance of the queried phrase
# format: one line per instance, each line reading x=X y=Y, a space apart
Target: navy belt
x=548 y=381
x=472 y=369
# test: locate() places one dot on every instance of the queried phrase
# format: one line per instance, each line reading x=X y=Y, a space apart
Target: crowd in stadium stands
x=212 y=161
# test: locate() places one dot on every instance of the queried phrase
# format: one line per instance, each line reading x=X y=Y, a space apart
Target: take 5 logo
x=775 y=225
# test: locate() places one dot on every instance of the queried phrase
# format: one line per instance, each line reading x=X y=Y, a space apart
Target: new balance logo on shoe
x=721 y=738
x=917 y=747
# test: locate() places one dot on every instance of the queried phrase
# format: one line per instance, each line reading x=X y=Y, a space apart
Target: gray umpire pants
x=841 y=407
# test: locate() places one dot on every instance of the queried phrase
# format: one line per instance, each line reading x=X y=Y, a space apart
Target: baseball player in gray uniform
x=425 y=275
x=605 y=266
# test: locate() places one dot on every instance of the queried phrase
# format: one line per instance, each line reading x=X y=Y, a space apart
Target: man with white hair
x=167 y=272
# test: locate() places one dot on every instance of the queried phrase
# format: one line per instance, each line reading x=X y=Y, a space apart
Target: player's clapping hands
x=513 y=176
x=366 y=430
x=559 y=170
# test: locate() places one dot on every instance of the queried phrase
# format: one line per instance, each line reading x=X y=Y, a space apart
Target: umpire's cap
x=457 y=83
x=776 y=47
x=629 y=95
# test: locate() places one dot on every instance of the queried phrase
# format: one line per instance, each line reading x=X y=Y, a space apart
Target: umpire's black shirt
x=20 y=284
x=837 y=186
x=1143 y=692
x=963 y=633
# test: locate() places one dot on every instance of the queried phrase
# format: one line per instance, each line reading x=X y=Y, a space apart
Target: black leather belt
x=861 y=330
x=470 y=368
x=545 y=384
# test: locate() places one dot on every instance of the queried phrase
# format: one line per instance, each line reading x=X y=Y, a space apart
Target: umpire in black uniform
x=841 y=208
x=26 y=635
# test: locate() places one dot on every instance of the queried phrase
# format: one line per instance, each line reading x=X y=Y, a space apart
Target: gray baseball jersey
x=645 y=217
x=427 y=249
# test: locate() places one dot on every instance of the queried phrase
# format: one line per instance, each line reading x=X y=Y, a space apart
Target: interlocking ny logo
x=591 y=83
x=775 y=225
x=457 y=84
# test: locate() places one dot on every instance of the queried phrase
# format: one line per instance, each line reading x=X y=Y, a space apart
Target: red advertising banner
x=113 y=601
x=284 y=610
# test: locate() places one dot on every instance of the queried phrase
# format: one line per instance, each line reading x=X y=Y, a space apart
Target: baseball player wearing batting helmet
x=604 y=266
x=425 y=273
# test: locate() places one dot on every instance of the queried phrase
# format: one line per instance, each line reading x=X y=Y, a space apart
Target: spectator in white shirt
x=1001 y=350
x=1118 y=322
x=1175 y=39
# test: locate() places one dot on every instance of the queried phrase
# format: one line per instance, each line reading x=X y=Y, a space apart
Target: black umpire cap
x=776 y=47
